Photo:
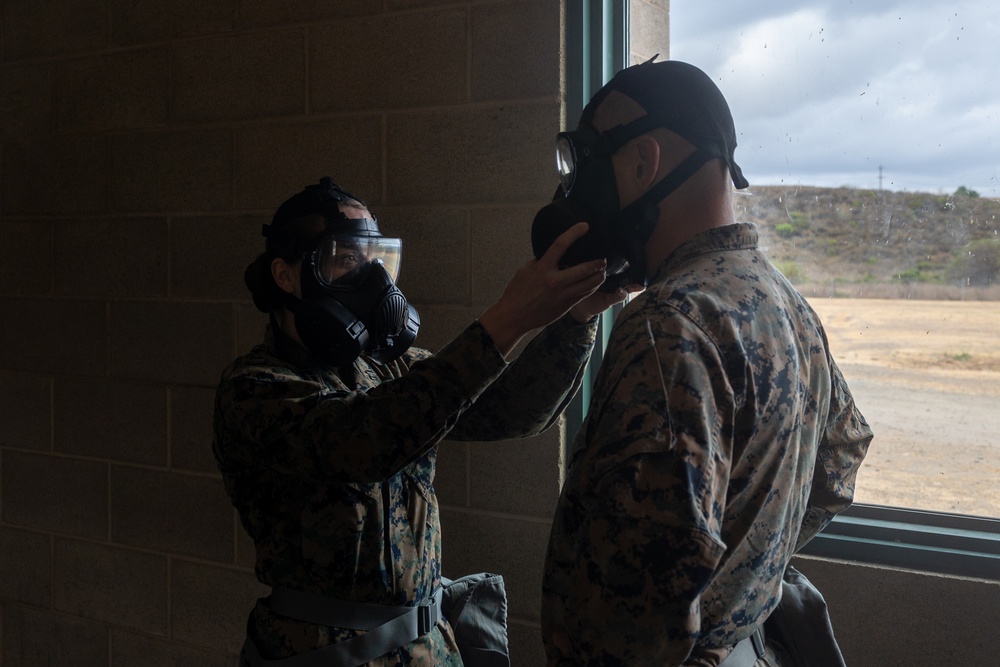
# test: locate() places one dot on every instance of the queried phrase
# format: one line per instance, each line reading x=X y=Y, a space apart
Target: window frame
x=912 y=539
x=596 y=48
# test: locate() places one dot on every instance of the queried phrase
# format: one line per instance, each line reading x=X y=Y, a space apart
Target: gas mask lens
x=344 y=261
x=565 y=162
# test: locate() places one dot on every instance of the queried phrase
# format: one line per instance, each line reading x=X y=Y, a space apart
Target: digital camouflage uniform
x=332 y=471
x=721 y=437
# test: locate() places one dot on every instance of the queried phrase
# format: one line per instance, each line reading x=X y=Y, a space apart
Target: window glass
x=869 y=132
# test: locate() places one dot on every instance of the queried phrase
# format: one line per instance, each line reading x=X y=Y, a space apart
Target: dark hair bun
x=266 y=294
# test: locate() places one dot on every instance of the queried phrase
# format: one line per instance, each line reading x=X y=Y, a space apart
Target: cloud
x=825 y=92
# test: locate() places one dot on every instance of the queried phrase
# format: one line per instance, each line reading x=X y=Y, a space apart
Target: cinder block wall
x=142 y=145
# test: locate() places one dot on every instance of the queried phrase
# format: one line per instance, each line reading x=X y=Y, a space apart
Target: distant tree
x=965 y=192
x=978 y=263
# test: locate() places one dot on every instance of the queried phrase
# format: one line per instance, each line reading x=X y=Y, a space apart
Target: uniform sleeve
x=535 y=388
x=842 y=448
x=632 y=553
x=282 y=420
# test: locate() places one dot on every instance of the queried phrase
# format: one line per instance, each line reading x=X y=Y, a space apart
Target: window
x=869 y=133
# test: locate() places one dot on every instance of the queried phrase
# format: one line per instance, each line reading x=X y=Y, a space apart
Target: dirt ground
x=926 y=375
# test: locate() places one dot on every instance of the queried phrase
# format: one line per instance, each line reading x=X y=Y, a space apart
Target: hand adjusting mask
x=350 y=302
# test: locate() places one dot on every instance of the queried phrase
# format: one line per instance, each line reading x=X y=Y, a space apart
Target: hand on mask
x=599 y=301
x=540 y=293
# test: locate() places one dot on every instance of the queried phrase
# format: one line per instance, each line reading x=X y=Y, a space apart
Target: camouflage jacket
x=332 y=470
x=720 y=438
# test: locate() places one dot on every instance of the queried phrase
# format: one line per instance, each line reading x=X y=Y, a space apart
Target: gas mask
x=350 y=302
x=676 y=96
x=588 y=193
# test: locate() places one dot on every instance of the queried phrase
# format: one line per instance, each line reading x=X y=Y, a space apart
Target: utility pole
x=880 y=178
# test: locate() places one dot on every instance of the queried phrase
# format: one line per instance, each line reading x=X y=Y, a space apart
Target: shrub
x=799 y=220
x=913 y=276
x=784 y=230
x=978 y=263
x=791 y=270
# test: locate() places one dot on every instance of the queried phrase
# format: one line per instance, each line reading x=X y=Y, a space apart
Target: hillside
x=872 y=243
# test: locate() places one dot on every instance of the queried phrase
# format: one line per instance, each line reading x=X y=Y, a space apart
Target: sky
x=824 y=92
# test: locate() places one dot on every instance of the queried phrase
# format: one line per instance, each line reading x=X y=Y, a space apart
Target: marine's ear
x=647 y=161
x=286 y=276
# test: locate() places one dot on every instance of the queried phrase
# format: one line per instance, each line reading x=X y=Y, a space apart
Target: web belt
x=386 y=628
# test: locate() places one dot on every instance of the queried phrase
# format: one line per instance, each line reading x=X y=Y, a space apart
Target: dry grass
x=926 y=374
x=911 y=291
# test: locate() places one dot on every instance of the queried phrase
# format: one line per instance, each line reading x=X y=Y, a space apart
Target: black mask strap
x=640 y=217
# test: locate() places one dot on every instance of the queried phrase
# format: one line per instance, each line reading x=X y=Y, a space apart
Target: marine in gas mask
x=700 y=130
x=329 y=267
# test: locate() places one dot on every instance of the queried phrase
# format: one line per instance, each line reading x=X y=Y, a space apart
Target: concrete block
x=54 y=493
x=26 y=103
x=348 y=67
x=413 y=4
x=162 y=20
x=440 y=324
x=248 y=76
x=501 y=244
x=118 y=586
x=27 y=405
x=171 y=512
x=54 y=336
x=27 y=566
x=37 y=637
x=191 y=414
x=649 y=24
x=516 y=50
x=887 y=616
x=176 y=171
x=436 y=263
x=254 y=13
x=514 y=548
x=33 y=29
x=26 y=268
x=61 y=175
x=187 y=343
x=129 y=649
x=119 y=91
x=120 y=257
x=111 y=419
x=209 y=256
x=250 y=328
x=491 y=155
x=516 y=476
x=526 y=649
x=209 y=605
x=274 y=162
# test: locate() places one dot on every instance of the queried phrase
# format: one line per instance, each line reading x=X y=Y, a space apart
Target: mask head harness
x=676 y=96
x=350 y=303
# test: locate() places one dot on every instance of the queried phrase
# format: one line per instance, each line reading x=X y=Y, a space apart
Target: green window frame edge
x=912 y=539
x=908 y=538
x=596 y=48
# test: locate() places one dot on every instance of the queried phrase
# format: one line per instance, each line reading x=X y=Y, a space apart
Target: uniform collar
x=737 y=236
